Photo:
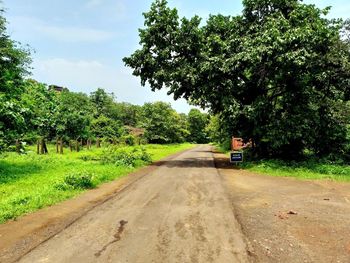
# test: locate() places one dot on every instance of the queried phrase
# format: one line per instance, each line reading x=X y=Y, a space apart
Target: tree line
x=34 y=112
x=76 y=118
x=278 y=74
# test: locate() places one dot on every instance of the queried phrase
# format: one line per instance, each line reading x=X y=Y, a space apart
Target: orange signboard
x=238 y=144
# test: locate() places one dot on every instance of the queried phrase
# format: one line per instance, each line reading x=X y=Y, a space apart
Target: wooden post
x=45 y=147
x=61 y=146
x=18 y=146
x=42 y=146
x=77 y=145
x=57 y=143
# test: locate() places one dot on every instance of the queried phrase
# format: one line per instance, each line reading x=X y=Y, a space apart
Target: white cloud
x=70 y=34
x=75 y=34
x=86 y=76
x=113 y=9
x=93 y=3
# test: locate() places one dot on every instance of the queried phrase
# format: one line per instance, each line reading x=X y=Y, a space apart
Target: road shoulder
x=287 y=219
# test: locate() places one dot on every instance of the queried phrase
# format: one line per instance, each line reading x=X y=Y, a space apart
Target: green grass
x=29 y=182
x=309 y=169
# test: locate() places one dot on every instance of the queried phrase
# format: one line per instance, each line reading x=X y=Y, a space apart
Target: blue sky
x=80 y=44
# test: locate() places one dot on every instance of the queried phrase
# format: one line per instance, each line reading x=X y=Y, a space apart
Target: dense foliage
x=278 y=74
x=14 y=62
x=66 y=115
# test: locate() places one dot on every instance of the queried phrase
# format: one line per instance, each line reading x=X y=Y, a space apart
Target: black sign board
x=236 y=157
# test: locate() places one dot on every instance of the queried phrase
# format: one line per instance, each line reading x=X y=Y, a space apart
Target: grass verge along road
x=30 y=182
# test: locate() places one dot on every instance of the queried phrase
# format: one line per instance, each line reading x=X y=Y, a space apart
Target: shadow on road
x=200 y=162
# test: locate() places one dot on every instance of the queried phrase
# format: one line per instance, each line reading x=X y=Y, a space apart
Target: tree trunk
x=38 y=146
x=61 y=146
x=77 y=145
x=57 y=143
x=98 y=143
x=18 y=146
x=70 y=145
x=43 y=147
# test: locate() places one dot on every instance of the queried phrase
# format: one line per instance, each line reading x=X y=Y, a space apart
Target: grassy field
x=30 y=182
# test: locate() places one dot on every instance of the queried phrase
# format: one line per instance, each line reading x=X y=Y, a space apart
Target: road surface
x=287 y=219
x=179 y=212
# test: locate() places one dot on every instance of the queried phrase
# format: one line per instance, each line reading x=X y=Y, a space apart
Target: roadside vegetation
x=309 y=169
x=29 y=182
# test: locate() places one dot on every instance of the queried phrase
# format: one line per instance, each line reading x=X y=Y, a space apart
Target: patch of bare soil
x=290 y=220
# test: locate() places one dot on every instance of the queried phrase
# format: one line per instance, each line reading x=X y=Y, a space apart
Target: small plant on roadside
x=145 y=156
x=79 y=180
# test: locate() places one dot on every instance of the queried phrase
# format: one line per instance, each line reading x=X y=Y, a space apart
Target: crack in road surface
x=117 y=237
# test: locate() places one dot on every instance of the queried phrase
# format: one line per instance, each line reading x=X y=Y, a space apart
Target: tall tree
x=103 y=102
x=197 y=122
x=74 y=115
x=273 y=73
x=162 y=123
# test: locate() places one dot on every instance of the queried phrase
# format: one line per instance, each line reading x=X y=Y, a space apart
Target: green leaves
x=162 y=123
x=270 y=73
x=14 y=61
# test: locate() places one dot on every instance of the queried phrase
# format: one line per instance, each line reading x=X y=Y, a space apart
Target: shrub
x=128 y=139
x=79 y=180
x=124 y=157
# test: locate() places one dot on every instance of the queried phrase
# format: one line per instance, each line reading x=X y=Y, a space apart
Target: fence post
x=18 y=146
x=77 y=145
x=61 y=146
x=57 y=142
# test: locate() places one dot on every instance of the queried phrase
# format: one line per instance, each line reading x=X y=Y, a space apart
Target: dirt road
x=185 y=209
x=179 y=212
x=290 y=220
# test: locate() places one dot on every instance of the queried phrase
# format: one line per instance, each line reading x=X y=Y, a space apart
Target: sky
x=80 y=44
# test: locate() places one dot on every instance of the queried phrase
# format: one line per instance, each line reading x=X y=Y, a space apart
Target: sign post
x=236 y=157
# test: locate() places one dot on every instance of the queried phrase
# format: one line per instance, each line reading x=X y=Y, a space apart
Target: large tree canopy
x=277 y=74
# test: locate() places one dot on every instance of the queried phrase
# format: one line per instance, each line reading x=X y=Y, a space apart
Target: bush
x=80 y=180
x=145 y=156
x=128 y=139
x=124 y=157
